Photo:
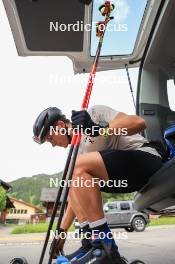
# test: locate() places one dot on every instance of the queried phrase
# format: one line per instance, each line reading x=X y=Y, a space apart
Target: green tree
x=3 y=198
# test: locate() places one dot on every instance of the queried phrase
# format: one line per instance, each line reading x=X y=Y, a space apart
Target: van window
x=171 y=94
x=124 y=206
x=122 y=31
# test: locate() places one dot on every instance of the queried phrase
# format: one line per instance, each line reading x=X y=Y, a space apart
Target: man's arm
x=65 y=224
x=133 y=123
x=68 y=218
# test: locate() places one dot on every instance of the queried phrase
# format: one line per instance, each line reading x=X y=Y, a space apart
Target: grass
x=34 y=228
x=42 y=228
x=162 y=221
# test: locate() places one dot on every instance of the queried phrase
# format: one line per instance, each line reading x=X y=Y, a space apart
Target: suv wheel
x=138 y=224
x=129 y=229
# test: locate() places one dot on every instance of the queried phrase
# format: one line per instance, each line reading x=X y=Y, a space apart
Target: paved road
x=154 y=246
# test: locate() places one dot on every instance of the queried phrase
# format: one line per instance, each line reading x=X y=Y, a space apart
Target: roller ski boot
x=86 y=246
x=98 y=254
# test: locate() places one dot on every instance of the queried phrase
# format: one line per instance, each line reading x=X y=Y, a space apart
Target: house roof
x=27 y=204
x=49 y=195
x=5 y=185
x=9 y=203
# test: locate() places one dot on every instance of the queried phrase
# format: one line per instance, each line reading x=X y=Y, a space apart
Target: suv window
x=125 y=206
x=112 y=207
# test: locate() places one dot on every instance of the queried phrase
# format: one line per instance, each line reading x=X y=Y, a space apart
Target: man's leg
x=89 y=166
x=81 y=216
x=79 y=212
x=84 y=231
x=135 y=167
x=89 y=199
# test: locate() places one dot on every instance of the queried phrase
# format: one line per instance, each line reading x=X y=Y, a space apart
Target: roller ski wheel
x=137 y=261
x=19 y=261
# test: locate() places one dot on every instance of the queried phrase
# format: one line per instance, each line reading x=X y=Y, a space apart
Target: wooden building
x=48 y=198
x=23 y=212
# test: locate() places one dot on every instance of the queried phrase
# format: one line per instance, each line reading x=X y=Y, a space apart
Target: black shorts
x=129 y=170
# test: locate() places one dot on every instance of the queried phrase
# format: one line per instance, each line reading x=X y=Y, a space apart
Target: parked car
x=121 y=214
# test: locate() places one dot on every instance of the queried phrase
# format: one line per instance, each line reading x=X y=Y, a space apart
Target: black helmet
x=43 y=122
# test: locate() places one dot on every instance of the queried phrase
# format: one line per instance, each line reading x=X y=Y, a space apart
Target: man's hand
x=59 y=244
x=82 y=119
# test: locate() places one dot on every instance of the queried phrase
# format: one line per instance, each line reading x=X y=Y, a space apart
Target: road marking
x=20 y=244
x=26 y=238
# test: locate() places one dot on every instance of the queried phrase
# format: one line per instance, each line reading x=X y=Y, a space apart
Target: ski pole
x=77 y=138
x=70 y=163
x=56 y=206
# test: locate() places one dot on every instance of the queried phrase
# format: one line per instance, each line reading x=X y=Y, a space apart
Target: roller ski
x=85 y=247
x=98 y=254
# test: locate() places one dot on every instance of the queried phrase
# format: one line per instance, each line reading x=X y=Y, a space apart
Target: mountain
x=29 y=188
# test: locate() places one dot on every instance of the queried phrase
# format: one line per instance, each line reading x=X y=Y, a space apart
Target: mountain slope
x=29 y=189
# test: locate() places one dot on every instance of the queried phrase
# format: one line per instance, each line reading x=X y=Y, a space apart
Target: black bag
x=161 y=149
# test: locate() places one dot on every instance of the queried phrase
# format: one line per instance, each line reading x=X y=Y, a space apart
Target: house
x=48 y=198
x=9 y=204
x=23 y=212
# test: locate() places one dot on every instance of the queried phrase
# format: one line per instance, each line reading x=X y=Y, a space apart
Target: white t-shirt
x=101 y=113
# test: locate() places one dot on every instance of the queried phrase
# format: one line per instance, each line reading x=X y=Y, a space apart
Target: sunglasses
x=38 y=138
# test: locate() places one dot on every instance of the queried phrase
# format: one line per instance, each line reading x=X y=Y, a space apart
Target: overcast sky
x=31 y=84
